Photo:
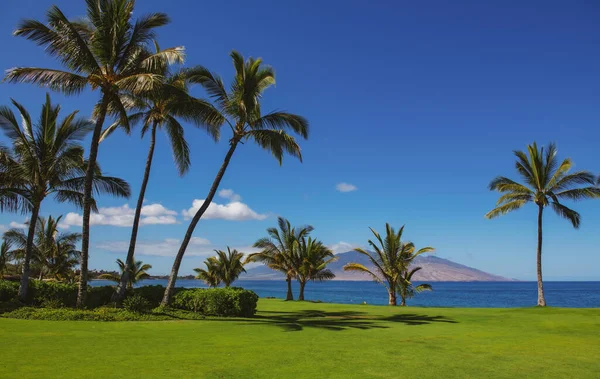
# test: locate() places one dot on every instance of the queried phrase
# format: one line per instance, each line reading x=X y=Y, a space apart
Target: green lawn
x=307 y=340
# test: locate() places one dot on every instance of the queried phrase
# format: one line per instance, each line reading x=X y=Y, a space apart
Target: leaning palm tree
x=46 y=159
x=161 y=110
x=277 y=250
x=312 y=259
x=139 y=271
x=387 y=260
x=54 y=253
x=547 y=183
x=6 y=255
x=105 y=52
x=241 y=110
x=210 y=275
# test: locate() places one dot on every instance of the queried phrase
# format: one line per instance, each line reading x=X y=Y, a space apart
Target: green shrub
x=99 y=296
x=53 y=304
x=98 y=314
x=217 y=301
x=153 y=294
x=41 y=292
x=8 y=290
x=136 y=304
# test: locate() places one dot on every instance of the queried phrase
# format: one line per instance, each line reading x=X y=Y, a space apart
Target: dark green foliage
x=8 y=290
x=99 y=314
x=217 y=301
x=136 y=304
x=98 y=296
x=153 y=294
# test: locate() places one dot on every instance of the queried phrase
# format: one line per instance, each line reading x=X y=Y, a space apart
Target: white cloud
x=341 y=247
x=229 y=194
x=123 y=216
x=235 y=210
x=18 y=225
x=345 y=187
x=198 y=247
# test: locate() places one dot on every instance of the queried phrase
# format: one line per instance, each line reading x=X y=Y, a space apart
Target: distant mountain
x=435 y=269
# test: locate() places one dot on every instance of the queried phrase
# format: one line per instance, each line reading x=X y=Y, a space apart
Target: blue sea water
x=444 y=294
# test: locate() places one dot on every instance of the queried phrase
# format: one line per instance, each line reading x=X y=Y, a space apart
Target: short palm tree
x=54 y=253
x=312 y=258
x=6 y=255
x=406 y=289
x=209 y=275
x=139 y=271
x=230 y=265
x=387 y=260
x=278 y=248
x=241 y=110
x=46 y=159
x=105 y=52
x=160 y=110
x=546 y=183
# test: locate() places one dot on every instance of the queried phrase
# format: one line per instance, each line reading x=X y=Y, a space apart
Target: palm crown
x=139 y=270
x=546 y=182
x=210 y=275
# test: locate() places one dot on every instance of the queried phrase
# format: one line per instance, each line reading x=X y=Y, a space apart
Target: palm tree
x=241 y=110
x=46 y=159
x=277 y=250
x=229 y=265
x=105 y=52
x=54 y=253
x=6 y=255
x=387 y=259
x=407 y=290
x=160 y=110
x=546 y=183
x=210 y=275
x=139 y=271
x=312 y=259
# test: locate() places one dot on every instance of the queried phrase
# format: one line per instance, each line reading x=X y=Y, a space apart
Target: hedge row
x=224 y=302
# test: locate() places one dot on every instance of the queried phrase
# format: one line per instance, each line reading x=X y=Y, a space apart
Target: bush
x=98 y=296
x=153 y=294
x=8 y=290
x=98 y=314
x=217 y=301
x=136 y=304
x=42 y=292
x=53 y=304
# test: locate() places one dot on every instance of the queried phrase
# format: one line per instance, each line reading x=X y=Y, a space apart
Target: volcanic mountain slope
x=435 y=269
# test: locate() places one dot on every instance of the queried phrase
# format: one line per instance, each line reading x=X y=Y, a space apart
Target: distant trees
x=224 y=268
x=390 y=260
x=137 y=271
x=547 y=183
x=6 y=255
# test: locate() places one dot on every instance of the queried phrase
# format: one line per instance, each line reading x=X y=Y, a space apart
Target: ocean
x=444 y=294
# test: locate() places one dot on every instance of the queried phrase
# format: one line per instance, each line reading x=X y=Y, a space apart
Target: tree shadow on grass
x=338 y=321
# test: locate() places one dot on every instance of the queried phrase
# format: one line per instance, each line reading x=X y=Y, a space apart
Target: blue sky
x=417 y=105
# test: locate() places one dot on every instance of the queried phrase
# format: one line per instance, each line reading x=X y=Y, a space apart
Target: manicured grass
x=307 y=340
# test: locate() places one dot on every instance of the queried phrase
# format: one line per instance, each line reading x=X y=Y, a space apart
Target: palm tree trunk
x=301 y=295
x=290 y=295
x=28 y=253
x=121 y=289
x=87 y=203
x=392 y=297
x=403 y=302
x=541 y=299
x=188 y=234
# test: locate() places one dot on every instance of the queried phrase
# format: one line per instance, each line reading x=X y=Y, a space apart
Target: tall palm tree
x=160 y=110
x=54 y=253
x=387 y=260
x=406 y=289
x=312 y=258
x=241 y=110
x=139 y=271
x=210 y=275
x=105 y=52
x=46 y=159
x=6 y=256
x=546 y=183
x=277 y=250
